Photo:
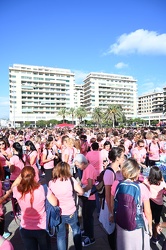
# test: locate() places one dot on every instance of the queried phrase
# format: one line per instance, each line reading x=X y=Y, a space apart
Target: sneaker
x=154 y=240
x=6 y=235
x=87 y=242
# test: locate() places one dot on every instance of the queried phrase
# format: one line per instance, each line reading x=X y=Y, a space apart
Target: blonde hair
x=130 y=169
x=149 y=135
x=70 y=142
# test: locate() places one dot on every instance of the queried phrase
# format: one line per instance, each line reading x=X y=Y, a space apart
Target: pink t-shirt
x=139 y=155
x=2 y=157
x=154 y=152
x=49 y=154
x=32 y=218
x=96 y=159
x=89 y=173
x=6 y=245
x=104 y=154
x=27 y=158
x=71 y=152
x=18 y=166
x=156 y=191
x=64 y=192
x=109 y=177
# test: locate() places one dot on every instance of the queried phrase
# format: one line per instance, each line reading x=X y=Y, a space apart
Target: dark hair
x=95 y=146
x=5 y=140
x=114 y=153
x=140 y=141
x=107 y=143
x=155 y=176
x=32 y=146
x=17 y=146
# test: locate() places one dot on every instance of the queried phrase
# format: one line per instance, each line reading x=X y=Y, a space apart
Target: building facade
x=101 y=90
x=38 y=93
x=150 y=106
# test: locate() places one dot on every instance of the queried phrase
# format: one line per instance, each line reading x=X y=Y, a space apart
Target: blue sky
x=118 y=37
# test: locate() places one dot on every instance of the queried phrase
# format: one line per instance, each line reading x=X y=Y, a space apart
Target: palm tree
x=113 y=112
x=72 y=113
x=80 y=113
x=62 y=112
x=97 y=115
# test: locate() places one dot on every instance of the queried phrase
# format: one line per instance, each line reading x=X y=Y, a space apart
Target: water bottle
x=6 y=184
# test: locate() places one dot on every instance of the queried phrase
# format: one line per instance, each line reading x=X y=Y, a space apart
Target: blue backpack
x=127 y=206
x=53 y=215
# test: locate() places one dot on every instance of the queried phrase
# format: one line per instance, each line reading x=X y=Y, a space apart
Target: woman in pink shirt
x=16 y=162
x=157 y=186
x=88 y=179
x=31 y=199
x=3 y=197
x=31 y=157
x=69 y=153
x=48 y=157
x=5 y=155
x=154 y=151
x=129 y=240
x=63 y=186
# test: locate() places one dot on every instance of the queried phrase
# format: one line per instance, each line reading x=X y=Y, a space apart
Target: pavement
x=100 y=235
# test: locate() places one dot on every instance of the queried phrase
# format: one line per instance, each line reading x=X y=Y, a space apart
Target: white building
x=101 y=89
x=150 y=106
x=38 y=93
x=78 y=95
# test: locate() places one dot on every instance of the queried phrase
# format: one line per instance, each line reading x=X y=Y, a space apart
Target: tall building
x=78 y=95
x=101 y=89
x=38 y=93
x=150 y=106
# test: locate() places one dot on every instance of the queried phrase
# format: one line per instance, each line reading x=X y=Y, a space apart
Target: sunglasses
x=2 y=144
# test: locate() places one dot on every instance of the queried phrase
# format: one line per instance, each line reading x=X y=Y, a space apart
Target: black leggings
x=2 y=224
x=48 y=175
x=156 y=211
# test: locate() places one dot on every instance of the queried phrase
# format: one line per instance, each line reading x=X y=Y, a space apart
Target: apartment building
x=101 y=89
x=38 y=93
x=78 y=95
x=150 y=106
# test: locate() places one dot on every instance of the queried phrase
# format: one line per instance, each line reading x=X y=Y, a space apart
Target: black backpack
x=100 y=187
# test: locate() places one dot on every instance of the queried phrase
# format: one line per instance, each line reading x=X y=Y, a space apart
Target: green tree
x=62 y=112
x=97 y=116
x=113 y=112
x=72 y=113
x=80 y=113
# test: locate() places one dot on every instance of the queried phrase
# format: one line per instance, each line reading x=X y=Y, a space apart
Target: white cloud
x=141 y=42
x=150 y=87
x=4 y=107
x=121 y=65
x=80 y=76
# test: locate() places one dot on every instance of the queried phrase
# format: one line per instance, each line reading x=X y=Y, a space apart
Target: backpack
x=53 y=215
x=157 y=144
x=127 y=207
x=100 y=187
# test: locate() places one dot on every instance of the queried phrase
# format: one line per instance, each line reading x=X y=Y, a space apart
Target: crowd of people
x=69 y=162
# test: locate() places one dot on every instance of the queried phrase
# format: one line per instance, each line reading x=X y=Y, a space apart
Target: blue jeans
x=72 y=220
x=88 y=208
x=34 y=238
